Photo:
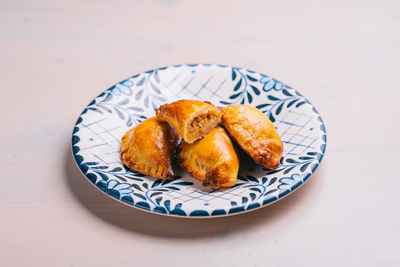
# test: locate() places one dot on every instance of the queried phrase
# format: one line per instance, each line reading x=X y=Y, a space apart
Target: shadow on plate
x=135 y=220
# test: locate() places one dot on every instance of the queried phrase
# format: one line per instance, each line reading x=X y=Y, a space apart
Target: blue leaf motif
x=95 y=109
x=304 y=167
x=224 y=102
x=115 y=91
x=287 y=170
x=104 y=107
x=256 y=189
x=286 y=92
x=91 y=163
x=164 y=182
x=273 y=180
x=183 y=183
x=141 y=82
x=115 y=188
x=108 y=98
x=278 y=86
x=273 y=171
x=249 y=97
x=123 y=89
x=235 y=95
x=256 y=91
x=127 y=83
x=103 y=176
x=155 y=194
x=140 y=196
x=273 y=98
x=268 y=82
x=305 y=158
x=237 y=86
x=124 y=102
x=139 y=95
x=289 y=160
x=120 y=177
x=300 y=104
x=271 y=117
x=292 y=102
x=137 y=187
x=251 y=78
x=100 y=167
x=156 y=183
x=262 y=106
x=279 y=109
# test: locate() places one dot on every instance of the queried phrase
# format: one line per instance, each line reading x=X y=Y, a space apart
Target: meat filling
x=202 y=125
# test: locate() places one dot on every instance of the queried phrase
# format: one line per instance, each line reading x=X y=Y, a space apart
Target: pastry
x=192 y=119
x=255 y=134
x=149 y=148
x=211 y=160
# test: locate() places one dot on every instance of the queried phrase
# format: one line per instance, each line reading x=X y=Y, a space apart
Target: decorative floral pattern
x=97 y=134
x=270 y=84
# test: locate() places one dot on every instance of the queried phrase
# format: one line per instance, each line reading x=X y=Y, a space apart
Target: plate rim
x=241 y=208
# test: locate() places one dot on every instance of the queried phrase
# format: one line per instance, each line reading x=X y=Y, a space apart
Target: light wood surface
x=344 y=56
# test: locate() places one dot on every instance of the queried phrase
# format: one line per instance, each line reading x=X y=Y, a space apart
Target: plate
x=98 y=131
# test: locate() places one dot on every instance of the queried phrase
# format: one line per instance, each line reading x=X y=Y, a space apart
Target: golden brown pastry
x=255 y=134
x=211 y=160
x=191 y=118
x=149 y=148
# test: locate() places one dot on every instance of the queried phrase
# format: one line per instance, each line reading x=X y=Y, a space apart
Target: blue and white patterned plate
x=98 y=131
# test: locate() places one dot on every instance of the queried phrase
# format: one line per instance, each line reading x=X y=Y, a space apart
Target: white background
x=56 y=56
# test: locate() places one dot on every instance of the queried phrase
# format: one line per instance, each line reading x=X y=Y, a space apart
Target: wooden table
x=55 y=56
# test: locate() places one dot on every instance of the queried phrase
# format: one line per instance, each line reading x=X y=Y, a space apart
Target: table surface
x=55 y=56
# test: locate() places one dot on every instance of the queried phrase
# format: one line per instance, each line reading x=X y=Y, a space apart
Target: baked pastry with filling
x=192 y=119
x=255 y=134
x=211 y=160
x=149 y=148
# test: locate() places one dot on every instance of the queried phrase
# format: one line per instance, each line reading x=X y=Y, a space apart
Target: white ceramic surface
x=99 y=129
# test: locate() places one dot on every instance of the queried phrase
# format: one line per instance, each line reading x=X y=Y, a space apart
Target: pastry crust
x=211 y=160
x=255 y=134
x=149 y=148
x=192 y=119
